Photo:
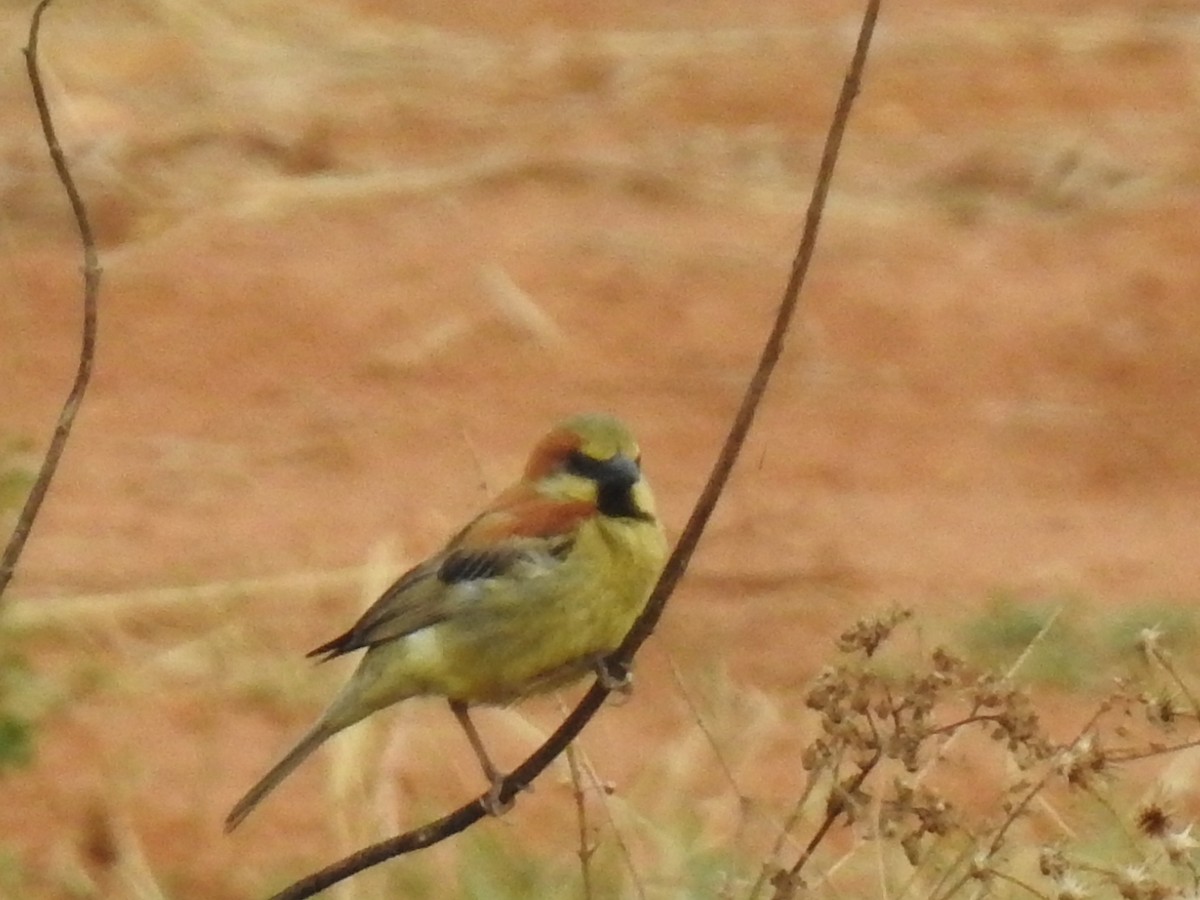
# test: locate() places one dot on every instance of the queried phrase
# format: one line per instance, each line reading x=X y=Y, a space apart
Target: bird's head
x=592 y=457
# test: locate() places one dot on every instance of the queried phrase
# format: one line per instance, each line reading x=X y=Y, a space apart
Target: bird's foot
x=621 y=685
x=492 y=804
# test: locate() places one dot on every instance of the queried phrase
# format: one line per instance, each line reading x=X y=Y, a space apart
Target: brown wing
x=393 y=614
x=519 y=527
x=521 y=512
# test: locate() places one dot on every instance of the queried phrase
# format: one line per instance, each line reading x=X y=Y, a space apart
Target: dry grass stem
x=91 y=293
x=586 y=849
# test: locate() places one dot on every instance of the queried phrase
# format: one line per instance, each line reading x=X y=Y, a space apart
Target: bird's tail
x=281 y=770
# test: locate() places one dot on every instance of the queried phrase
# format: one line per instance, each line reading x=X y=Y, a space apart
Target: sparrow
x=532 y=594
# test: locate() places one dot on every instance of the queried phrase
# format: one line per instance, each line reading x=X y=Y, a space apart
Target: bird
x=530 y=595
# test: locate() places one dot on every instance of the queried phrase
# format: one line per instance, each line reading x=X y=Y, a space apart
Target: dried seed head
x=1135 y=883
x=1161 y=709
x=1153 y=820
x=1052 y=863
x=1068 y=887
x=1180 y=845
x=868 y=634
x=1149 y=641
x=1082 y=763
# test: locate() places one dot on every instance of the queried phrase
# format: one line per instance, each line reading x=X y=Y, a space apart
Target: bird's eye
x=579 y=463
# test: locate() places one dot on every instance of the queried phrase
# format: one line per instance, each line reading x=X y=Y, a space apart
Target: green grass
x=1083 y=648
x=495 y=869
x=1178 y=622
x=1008 y=626
x=12 y=874
x=16 y=725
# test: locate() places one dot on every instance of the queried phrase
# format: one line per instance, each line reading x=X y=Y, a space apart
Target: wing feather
x=520 y=527
x=403 y=608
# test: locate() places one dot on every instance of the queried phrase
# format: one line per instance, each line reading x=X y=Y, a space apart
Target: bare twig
x=710 y=738
x=465 y=816
x=586 y=848
x=1023 y=885
x=580 y=766
x=771 y=868
x=771 y=352
x=841 y=798
x=1150 y=642
x=91 y=290
x=1016 y=810
x=602 y=793
x=1155 y=750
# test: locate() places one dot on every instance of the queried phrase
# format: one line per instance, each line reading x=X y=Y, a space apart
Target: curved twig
x=466 y=815
x=91 y=291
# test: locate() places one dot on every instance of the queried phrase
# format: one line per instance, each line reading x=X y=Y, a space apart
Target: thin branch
x=771 y=352
x=1016 y=810
x=91 y=290
x=586 y=848
x=603 y=794
x=1024 y=885
x=961 y=724
x=772 y=868
x=840 y=799
x=465 y=816
x=1131 y=755
x=1152 y=647
x=710 y=738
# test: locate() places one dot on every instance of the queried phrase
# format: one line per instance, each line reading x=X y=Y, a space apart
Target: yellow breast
x=542 y=628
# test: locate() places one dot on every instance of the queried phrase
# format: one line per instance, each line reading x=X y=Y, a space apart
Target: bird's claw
x=620 y=685
x=492 y=804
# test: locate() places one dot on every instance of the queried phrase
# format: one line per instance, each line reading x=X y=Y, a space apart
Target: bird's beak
x=620 y=471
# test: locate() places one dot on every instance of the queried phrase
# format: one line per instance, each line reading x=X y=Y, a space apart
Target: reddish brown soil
x=994 y=385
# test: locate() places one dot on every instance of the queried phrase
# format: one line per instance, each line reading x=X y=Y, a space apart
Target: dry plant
x=875 y=769
x=91 y=294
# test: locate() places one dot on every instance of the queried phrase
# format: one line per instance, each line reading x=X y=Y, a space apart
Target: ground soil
x=357 y=258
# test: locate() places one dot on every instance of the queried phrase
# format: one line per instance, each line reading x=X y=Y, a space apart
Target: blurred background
x=358 y=256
